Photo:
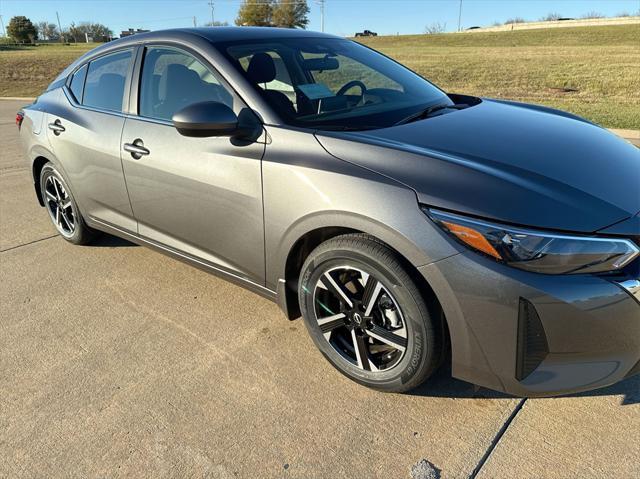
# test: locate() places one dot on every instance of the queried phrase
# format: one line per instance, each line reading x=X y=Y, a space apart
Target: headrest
x=261 y=69
x=111 y=81
x=178 y=78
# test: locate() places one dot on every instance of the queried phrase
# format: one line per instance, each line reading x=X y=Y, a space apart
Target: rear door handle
x=136 y=149
x=56 y=127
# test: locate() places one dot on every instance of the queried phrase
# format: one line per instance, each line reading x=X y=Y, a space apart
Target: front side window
x=77 y=83
x=104 y=86
x=331 y=83
x=172 y=79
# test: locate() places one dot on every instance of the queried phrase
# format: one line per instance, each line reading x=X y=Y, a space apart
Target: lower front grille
x=532 y=345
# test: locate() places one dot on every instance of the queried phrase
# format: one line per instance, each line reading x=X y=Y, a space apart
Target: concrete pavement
x=116 y=361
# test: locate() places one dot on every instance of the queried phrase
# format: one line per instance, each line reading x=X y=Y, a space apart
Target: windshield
x=331 y=83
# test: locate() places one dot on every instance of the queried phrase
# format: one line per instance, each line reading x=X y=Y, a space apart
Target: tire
x=401 y=340
x=56 y=195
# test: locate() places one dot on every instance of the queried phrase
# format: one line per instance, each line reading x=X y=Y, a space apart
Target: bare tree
x=216 y=24
x=551 y=17
x=515 y=20
x=48 y=31
x=593 y=14
x=435 y=28
x=96 y=31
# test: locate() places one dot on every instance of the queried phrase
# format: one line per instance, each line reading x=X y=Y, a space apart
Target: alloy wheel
x=360 y=318
x=60 y=206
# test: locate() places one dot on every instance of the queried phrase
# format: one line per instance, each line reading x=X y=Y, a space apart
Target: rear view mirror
x=208 y=118
x=321 y=64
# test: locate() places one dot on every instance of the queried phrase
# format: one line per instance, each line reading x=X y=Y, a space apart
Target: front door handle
x=136 y=149
x=56 y=127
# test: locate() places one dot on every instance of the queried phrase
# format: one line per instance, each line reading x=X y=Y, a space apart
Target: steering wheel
x=347 y=86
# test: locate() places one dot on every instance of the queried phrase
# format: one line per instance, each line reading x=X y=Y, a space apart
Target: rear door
x=199 y=196
x=84 y=131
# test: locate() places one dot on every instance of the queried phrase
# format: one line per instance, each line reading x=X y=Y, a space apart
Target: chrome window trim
x=125 y=96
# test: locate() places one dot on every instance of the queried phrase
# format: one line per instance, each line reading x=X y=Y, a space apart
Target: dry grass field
x=591 y=71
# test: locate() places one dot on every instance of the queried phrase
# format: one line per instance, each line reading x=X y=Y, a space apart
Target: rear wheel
x=366 y=314
x=62 y=208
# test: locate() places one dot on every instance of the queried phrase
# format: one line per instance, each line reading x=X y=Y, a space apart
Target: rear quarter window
x=77 y=83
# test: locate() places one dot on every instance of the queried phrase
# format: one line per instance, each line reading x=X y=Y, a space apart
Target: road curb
x=628 y=134
x=25 y=98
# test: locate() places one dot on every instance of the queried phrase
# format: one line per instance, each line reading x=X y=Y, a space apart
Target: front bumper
x=532 y=334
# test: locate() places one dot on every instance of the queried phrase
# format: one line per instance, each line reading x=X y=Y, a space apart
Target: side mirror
x=208 y=118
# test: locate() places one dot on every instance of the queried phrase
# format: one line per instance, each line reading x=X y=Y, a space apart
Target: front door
x=200 y=196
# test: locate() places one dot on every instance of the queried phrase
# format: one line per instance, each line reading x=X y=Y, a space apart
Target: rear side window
x=172 y=79
x=77 y=83
x=104 y=87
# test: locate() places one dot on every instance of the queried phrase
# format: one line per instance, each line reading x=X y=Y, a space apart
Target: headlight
x=536 y=250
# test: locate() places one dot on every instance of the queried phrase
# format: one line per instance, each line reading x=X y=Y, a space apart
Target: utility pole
x=60 y=28
x=4 y=32
x=460 y=16
x=194 y=21
x=213 y=7
x=321 y=3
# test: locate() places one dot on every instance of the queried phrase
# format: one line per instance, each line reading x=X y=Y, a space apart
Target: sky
x=342 y=17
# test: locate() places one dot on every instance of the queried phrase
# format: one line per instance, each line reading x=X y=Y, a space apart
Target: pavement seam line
x=496 y=439
x=27 y=244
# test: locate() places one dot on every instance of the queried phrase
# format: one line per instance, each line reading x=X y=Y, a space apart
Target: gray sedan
x=408 y=226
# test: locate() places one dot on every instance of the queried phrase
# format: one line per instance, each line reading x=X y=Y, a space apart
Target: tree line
x=262 y=13
x=273 y=13
x=23 y=30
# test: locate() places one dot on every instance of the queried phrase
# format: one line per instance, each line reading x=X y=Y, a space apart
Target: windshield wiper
x=428 y=112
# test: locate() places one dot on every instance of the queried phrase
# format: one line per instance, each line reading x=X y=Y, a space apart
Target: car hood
x=511 y=162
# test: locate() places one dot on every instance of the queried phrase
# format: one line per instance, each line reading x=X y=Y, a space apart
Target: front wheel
x=366 y=314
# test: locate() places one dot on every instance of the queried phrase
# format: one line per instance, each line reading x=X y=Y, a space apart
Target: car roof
x=224 y=34
x=211 y=34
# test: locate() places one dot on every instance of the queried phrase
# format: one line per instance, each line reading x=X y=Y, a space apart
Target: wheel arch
x=36 y=170
x=303 y=240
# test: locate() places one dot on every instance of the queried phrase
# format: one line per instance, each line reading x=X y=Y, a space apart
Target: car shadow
x=109 y=241
x=443 y=385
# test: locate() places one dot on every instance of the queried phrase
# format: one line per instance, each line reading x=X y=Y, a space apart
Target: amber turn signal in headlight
x=538 y=251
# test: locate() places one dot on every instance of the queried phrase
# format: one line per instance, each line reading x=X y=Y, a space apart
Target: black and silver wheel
x=62 y=208
x=366 y=315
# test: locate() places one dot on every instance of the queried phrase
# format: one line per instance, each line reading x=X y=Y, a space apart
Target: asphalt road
x=117 y=361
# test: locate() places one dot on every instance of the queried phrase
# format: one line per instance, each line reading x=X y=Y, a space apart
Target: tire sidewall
x=415 y=315
x=50 y=170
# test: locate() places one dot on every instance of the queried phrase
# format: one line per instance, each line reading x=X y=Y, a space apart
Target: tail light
x=19 y=118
